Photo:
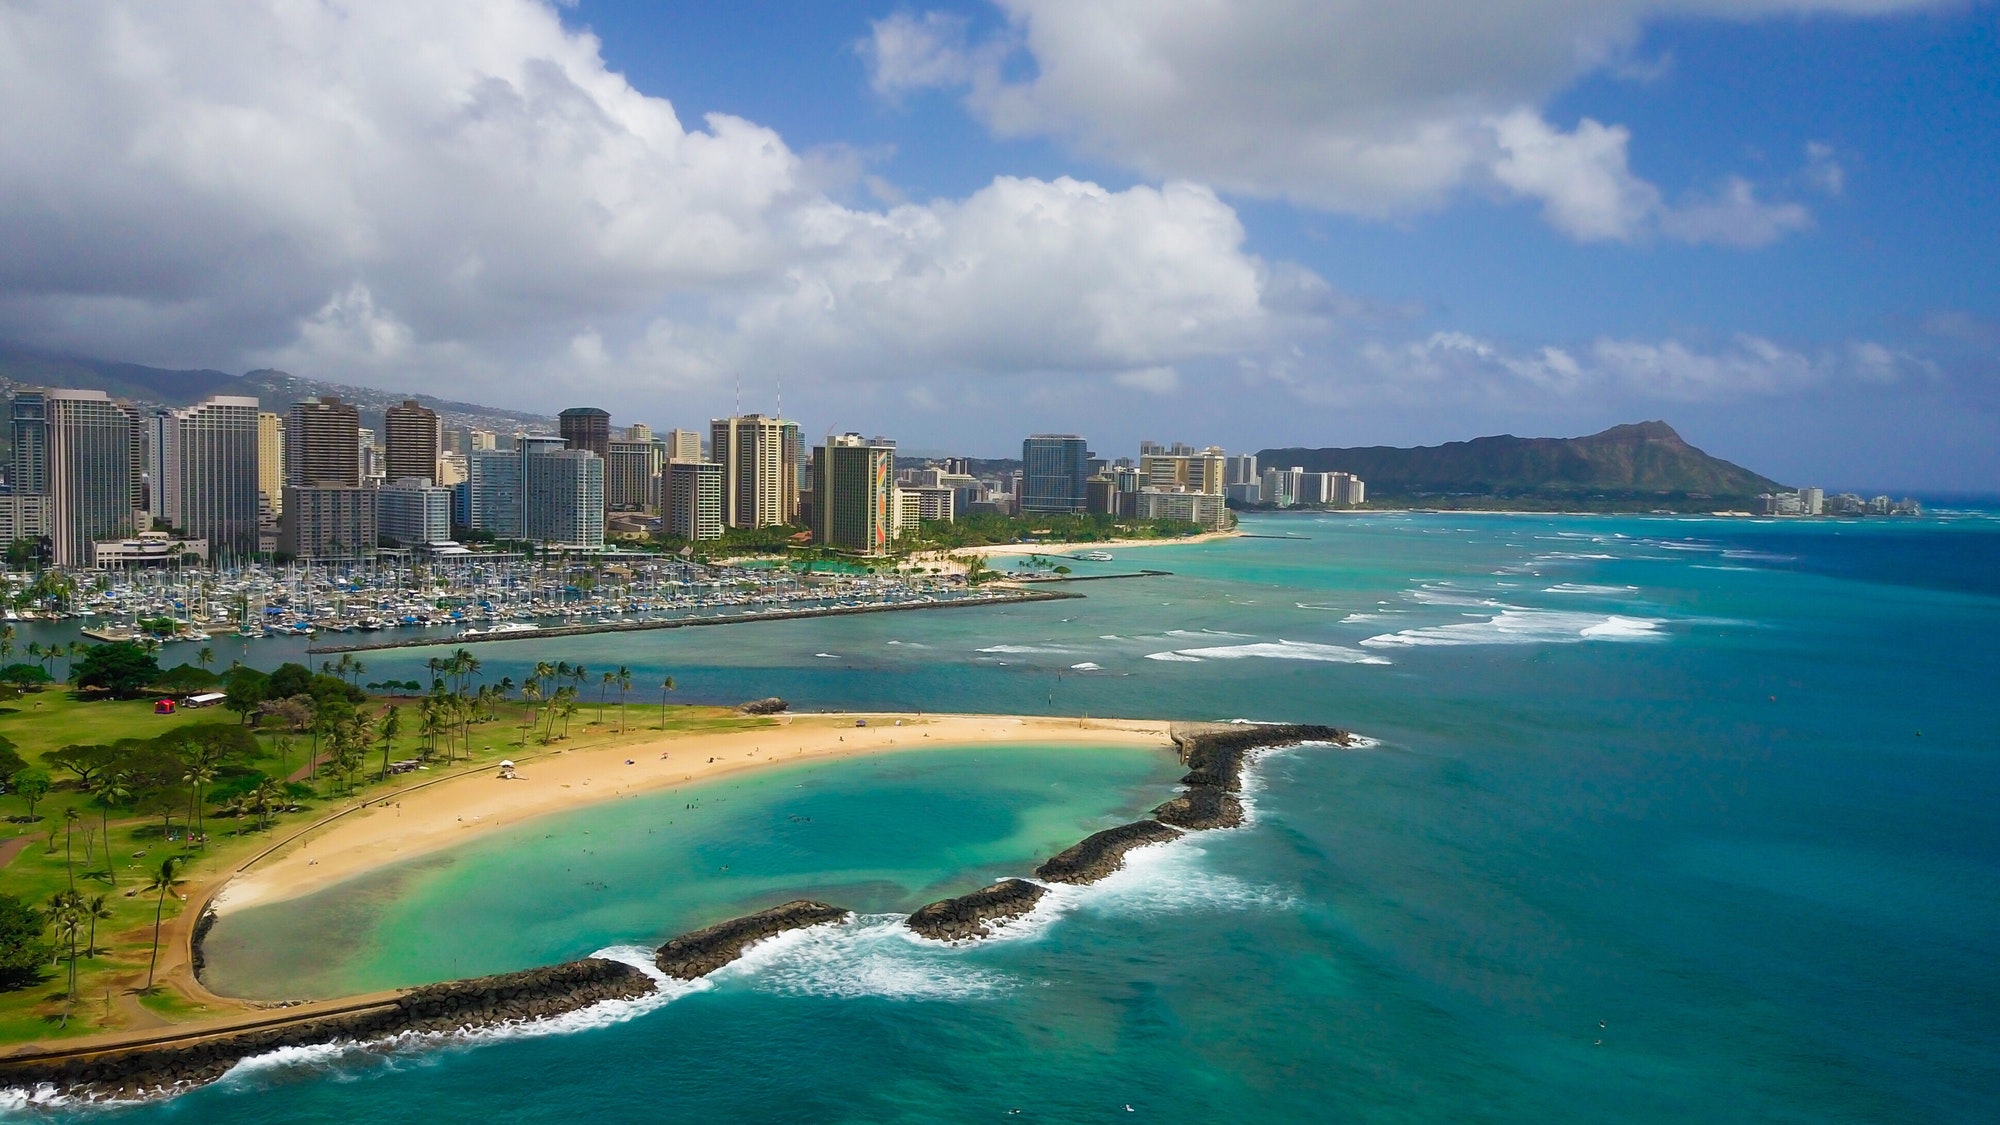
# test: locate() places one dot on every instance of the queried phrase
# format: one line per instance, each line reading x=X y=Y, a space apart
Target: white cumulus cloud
x=1349 y=105
x=456 y=194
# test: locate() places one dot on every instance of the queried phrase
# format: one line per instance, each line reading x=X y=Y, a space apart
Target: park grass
x=41 y=722
x=52 y=719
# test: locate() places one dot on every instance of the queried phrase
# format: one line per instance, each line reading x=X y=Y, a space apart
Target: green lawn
x=62 y=851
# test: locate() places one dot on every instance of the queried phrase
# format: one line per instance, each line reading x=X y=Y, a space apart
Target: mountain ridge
x=1633 y=463
x=275 y=389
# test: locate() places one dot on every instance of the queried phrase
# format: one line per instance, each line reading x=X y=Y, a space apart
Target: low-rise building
x=148 y=548
x=1204 y=508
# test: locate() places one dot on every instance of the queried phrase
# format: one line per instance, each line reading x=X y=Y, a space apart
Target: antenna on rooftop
x=738 y=412
x=781 y=394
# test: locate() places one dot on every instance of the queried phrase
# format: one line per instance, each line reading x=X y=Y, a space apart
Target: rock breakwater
x=1102 y=853
x=971 y=916
x=700 y=953
x=164 y=1067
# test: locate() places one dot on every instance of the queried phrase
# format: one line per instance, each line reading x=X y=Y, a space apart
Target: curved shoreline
x=469 y=806
x=160 y=1063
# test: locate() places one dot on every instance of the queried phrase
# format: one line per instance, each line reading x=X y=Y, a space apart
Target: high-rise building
x=682 y=445
x=323 y=444
x=493 y=492
x=329 y=522
x=1281 y=486
x=761 y=461
x=413 y=437
x=562 y=497
x=28 y=431
x=91 y=472
x=412 y=512
x=476 y=440
x=586 y=427
x=1240 y=468
x=203 y=464
x=326 y=511
x=1054 y=468
x=639 y=431
x=1192 y=471
x=853 y=487
x=271 y=461
x=631 y=475
x=23 y=515
x=691 y=502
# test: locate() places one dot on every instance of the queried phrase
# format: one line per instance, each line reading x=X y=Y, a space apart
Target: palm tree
x=97 y=910
x=110 y=789
x=624 y=689
x=35 y=652
x=199 y=773
x=267 y=794
x=392 y=725
x=428 y=725
x=531 y=692
x=666 y=686
x=66 y=915
x=604 y=691
x=163 y=881
x=6 y=642
x=205 y=657
x=70 y=817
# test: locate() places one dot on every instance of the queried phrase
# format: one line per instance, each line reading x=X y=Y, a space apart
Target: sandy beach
x=466 y=806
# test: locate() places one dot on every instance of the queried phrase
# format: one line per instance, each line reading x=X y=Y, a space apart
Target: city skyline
x=1613 y=217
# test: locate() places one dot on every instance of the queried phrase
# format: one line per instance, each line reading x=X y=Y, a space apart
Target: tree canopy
x=121 y=668
x=23 y=951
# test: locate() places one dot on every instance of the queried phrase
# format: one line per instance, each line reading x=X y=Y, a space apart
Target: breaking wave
x=1273 y=650
x=1526 y=626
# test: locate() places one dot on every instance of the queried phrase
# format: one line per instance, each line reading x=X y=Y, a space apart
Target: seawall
x=152 y=1069
x=1011 y=598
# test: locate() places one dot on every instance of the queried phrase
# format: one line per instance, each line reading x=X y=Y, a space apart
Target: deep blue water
x=1667 y=819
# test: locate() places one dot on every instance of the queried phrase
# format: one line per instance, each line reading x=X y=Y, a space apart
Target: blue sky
x=1272 y=222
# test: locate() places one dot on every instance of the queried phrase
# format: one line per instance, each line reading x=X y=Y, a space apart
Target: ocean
x=1659 y=819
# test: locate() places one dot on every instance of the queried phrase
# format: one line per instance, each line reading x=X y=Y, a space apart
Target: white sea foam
x=394 y=1049
x=1359 y=618
x=1086 y=666
x=1031 y=650
x=827 y=655
x=1587 y=588
x=1320 y=606
x=1173 y=658
x=1526 y=626
x=1206 y=633
x=872 y=955
x=1284 y=650
x=1441 y=594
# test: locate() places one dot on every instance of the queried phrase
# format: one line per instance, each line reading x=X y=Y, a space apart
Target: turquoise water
x=885 y=834
x=1668 y=819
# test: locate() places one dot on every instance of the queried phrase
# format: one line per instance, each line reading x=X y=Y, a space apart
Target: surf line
x=170 y=1063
